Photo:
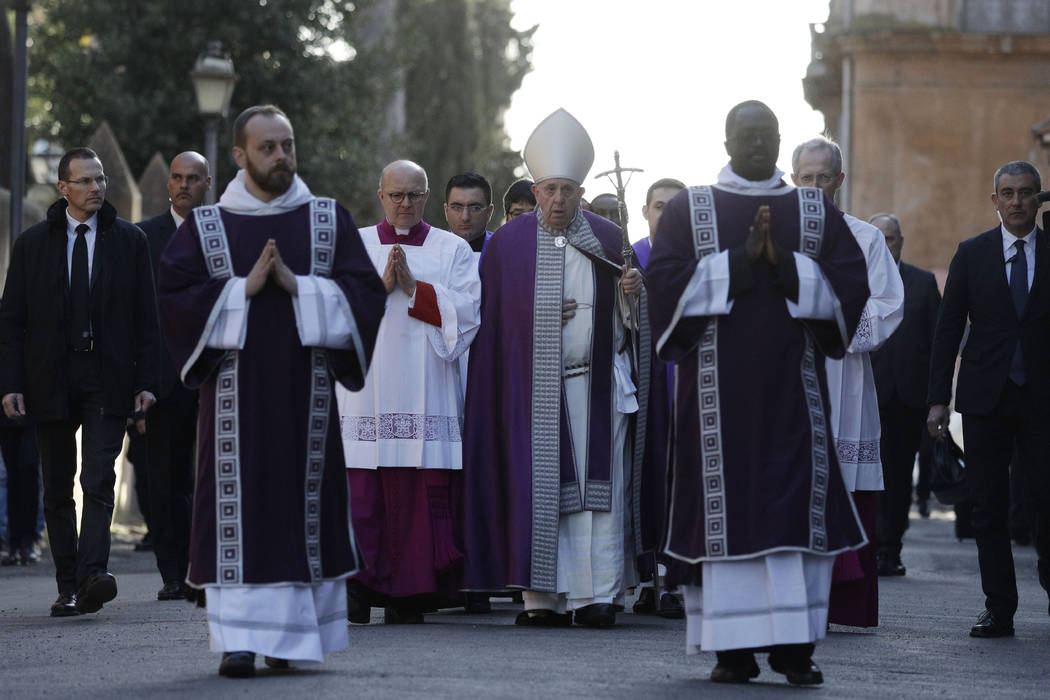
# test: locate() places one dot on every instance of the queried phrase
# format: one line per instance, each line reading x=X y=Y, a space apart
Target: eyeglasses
x=398 y=197
x=820 y=179
x=474 y=208
x=101 y=181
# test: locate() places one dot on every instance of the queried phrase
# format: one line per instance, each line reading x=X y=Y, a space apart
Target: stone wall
x=927 y=100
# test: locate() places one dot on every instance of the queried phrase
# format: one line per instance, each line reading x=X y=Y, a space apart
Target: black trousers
x=77 y=557
x=902 y=428
x=18 y=446
x=1018 y=422
x=171 y=438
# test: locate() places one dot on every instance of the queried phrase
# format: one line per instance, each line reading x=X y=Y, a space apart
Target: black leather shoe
x=646 y=603
x=543 y=618
x=397 y=616
x=65 y=606
x=798 y=673
x=275 y=663
x=173 y=590
x=734 y=673
x=100 y=588
x=237 y=664
x=596 y=615
x=989 y=626
x=890 y=565
x=670 y=607
x=477 y=603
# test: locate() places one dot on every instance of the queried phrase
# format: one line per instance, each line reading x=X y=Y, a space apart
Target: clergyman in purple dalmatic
x=267 y=300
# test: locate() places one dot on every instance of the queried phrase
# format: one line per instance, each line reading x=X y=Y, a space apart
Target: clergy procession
x=717 y=423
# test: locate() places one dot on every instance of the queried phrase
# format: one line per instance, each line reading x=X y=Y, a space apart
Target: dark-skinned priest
x=550 y=431
x=752 y=283
x=267 y=300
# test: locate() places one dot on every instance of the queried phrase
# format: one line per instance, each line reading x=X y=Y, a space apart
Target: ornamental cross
x=621 y=187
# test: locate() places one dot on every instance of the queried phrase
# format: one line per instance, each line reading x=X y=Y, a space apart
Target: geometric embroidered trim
x=811 y=220
x=229 y=541
x=546 y=388
x=401 y=426
x=858 y=452
x=216 y=247
x=322 y=246
x=818 y=536
x=229 y=547
x=705 y=242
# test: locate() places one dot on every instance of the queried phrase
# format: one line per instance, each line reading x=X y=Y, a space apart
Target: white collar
x=175 y=215
x=1009 y=239
x=727 y=176
x=237 y=199
x=71 y=227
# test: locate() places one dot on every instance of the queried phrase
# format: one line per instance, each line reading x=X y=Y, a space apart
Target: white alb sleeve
x=231 y=323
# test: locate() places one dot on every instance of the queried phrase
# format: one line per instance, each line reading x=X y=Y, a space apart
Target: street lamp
x=213 y=80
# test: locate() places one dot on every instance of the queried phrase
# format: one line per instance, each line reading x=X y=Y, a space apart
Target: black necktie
x=1019 y=291
x=80 y=294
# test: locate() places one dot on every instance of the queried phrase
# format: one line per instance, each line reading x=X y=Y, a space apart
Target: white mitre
x=559 y=148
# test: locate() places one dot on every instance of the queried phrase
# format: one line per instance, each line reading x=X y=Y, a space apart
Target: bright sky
x=654 y=79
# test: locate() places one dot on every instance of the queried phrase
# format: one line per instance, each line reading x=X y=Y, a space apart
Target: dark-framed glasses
x=820 y=179
x=101 y=181
x=473 y=208
x=398 y=197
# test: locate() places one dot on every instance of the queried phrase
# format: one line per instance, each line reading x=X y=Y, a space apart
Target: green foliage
x=128 y=61
x=462 y=63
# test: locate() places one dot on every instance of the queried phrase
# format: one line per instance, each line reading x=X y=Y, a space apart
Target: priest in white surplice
x=851 y=388
x=402 y=433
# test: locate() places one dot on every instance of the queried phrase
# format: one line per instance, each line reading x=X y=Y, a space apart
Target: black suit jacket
x=977 y=289
x=34 y=315
x=902 y=365
x=159 y=231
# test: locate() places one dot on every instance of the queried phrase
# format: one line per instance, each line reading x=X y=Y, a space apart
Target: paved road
x=138 y=647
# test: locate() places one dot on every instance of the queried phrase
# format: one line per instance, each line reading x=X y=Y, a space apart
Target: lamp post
x=213 y=80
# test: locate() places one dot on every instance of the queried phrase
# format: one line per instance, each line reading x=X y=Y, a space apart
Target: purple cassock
x=519 y=471
x=654 y=461
x=753 y=465
x=270 y=503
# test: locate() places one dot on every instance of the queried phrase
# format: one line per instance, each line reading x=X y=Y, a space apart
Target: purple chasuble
x=270 y=503
x=510 y=527
x=753 y=468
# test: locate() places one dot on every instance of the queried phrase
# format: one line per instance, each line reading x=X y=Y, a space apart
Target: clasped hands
x=759 y=243
x=397 y=273
x=270 y=265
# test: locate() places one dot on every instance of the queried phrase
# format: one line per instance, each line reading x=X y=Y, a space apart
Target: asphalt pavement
x=138 y=647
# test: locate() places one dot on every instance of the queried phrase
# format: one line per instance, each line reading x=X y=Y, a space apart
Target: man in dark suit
x=901 y=368
x=172 y=424
x=1000 y=280
x=78 y=349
